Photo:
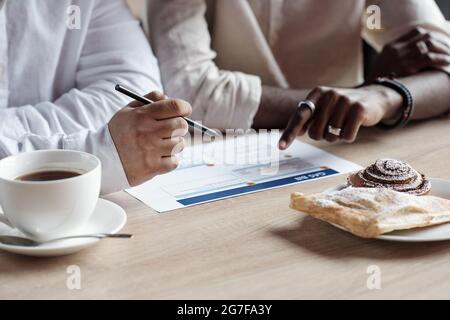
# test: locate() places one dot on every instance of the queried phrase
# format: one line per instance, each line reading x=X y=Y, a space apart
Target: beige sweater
x=284 y=43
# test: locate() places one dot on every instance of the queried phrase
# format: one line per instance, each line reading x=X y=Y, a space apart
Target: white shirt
x=57 y=84
x=296 y=44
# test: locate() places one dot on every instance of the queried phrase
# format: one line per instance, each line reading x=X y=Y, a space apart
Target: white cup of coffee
x=49 y=194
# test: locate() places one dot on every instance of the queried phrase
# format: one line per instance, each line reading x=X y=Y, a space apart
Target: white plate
x=439 y=188
x=108 y=217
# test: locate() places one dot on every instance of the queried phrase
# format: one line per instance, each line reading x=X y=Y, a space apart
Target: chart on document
x=236 y=166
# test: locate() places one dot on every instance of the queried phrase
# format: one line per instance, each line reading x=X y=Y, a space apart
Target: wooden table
x=253 y=246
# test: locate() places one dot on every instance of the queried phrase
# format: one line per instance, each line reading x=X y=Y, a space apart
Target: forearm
x=76 y=110
x=431 y=92
x=277 y=106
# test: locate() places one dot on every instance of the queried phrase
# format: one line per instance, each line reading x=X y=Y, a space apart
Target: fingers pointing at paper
x=339 y=113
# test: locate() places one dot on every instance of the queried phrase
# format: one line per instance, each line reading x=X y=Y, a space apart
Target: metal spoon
x=24 y=242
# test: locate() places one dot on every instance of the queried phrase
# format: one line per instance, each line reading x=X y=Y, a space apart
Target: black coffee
x=48 y=175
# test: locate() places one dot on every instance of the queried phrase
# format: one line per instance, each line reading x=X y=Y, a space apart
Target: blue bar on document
x=257 y=187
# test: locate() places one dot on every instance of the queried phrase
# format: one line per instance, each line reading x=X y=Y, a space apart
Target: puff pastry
x=370 y=212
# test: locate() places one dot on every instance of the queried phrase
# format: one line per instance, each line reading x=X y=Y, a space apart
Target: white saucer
x=108 y=217
x=439 y=188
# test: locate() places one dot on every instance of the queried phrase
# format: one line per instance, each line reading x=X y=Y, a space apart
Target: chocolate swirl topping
x=391 y=174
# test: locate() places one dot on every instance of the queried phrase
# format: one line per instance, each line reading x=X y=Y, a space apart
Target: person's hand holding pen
x=147 y=137
x=335 y=114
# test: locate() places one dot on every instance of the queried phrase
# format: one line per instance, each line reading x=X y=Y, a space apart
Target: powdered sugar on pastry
x=391 y=174
x=369 y=212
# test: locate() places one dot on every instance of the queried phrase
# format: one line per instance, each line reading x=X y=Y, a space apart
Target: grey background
x=445 y=7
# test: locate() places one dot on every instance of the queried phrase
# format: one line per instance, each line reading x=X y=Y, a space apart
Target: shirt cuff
x=236 y=108
x=244 y=114
x=100 y=144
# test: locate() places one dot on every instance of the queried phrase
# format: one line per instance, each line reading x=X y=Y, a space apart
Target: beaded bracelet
x=408 y=103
